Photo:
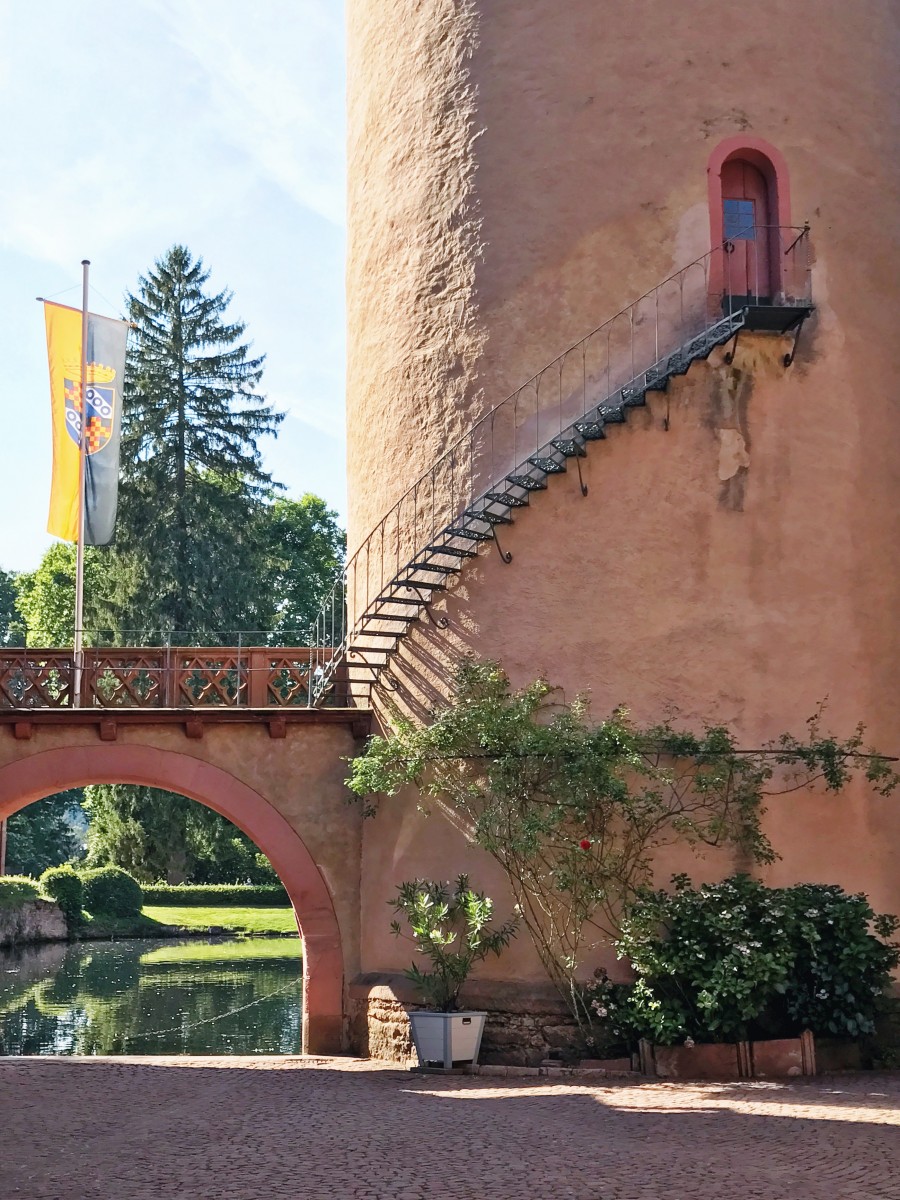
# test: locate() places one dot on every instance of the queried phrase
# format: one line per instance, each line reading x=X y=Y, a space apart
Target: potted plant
x=450 y=924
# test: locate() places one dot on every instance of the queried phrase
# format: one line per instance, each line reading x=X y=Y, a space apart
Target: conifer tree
x=192 y=475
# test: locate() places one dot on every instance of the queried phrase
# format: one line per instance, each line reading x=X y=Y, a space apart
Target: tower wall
x=518 y=174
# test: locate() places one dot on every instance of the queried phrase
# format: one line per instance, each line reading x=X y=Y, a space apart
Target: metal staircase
x=505 y=460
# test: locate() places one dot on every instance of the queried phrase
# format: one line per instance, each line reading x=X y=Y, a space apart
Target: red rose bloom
x=585 y=844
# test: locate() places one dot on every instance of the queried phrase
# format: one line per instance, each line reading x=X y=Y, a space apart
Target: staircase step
x=678 y=363
x=438 y=568
x=548 y=464
x=509 y=499
x=529 y=483
x=419 y=601
x=455 y=551
x=634 y=397
x=467 y=531
x=612 y=414
x=383 y=616
x=407 y=583
x=492 y=518
x=570 y=446
x=591 y=429
x=657 y=379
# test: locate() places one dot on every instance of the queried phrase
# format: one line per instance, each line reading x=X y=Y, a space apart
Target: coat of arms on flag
x=101 y=406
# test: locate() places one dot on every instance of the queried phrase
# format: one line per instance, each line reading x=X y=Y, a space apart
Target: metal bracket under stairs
x=505 y=555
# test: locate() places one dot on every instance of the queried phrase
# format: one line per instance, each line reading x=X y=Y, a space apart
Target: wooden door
x=747 y=232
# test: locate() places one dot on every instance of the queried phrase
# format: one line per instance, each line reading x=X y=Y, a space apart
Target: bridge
x=230 y=727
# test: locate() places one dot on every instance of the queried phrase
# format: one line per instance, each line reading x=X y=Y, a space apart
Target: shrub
x=731 y=960
x=451 y=926
x=64 y=886
x=112 y=891
x=206 y=894
x=16 y=890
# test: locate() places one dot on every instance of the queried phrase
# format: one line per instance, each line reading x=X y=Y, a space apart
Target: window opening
x=740 y=220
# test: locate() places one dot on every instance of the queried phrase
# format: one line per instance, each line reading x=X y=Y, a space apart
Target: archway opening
x=53 y=771
x=750 y=220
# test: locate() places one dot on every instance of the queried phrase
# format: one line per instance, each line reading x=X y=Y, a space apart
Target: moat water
x=192 y=996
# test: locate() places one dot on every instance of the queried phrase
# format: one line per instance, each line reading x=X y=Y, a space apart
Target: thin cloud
x=275 y=90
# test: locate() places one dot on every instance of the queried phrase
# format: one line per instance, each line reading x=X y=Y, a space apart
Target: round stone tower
x=518 y=174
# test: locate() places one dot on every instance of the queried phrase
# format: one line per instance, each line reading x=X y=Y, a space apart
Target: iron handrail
x=667 y=331
x=802 y=230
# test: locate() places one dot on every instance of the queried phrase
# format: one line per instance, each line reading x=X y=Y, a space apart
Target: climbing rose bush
x=732 y=960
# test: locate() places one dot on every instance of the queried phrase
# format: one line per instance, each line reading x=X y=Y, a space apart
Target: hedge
x=16 y=890
x=63 y=885
x=112 y=891
x=214 y=894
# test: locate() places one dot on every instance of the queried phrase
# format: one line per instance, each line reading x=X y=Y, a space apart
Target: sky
x=129 y=127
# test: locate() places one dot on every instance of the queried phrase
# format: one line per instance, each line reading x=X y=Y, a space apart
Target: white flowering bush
x=736 y=960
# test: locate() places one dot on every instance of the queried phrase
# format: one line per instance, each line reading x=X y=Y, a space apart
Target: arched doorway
x=41 y=774
x=749 y=218
x=746 y=230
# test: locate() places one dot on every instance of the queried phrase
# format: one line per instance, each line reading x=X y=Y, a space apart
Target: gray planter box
x=447 y=1038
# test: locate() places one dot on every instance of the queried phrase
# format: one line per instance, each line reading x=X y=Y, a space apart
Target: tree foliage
x=157 y=835
x=191 y=463
x=45 y=834
x=302 y=548
x=11 y=631
x=574 y=811
x=45 y=597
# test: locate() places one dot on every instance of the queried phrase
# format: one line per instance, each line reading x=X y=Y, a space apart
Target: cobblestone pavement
x=289 y=1129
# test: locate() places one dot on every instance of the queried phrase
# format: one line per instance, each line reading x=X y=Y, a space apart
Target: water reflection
x=199 y=996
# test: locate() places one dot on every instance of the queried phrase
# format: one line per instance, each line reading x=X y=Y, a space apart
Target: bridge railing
x=169 y=677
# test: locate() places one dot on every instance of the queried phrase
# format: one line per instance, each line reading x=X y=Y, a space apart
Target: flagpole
x=82 y=474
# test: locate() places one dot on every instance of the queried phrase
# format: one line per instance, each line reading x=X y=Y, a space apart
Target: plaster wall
x=735 y=556
x=744 y=588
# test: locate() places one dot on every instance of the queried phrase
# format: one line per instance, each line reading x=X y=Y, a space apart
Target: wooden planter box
x=784 y=1058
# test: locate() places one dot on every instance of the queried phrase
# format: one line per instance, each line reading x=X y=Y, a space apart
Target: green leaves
x=192 y=477
x=452 y=926
x=735 y=959
x=535 y=779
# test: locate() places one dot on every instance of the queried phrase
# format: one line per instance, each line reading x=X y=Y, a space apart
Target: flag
x=101 y=402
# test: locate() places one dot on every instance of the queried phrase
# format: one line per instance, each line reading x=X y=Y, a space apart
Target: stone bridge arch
x=261 y=791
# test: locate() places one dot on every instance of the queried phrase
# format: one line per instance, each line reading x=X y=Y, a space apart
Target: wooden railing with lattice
x=169 y=677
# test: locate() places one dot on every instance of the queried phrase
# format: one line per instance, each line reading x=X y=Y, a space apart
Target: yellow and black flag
x=96 y=408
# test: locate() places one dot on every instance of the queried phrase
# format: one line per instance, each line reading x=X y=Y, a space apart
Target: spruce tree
x=192 y=475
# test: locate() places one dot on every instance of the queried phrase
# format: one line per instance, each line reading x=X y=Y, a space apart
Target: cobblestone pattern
x=381 y=1030
x=288 y=1129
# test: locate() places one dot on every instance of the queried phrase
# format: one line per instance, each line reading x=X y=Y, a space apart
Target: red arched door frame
x=48 y=771
x=772 y=165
